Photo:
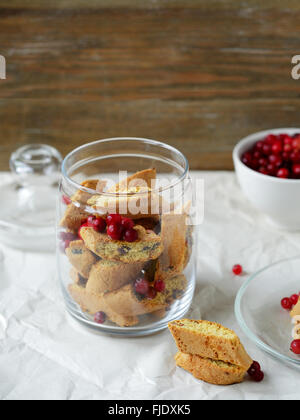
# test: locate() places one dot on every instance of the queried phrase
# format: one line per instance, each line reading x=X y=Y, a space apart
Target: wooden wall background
x=198 y=74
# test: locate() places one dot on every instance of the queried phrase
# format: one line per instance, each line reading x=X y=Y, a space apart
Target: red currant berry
x=159 y=286
x=263 y=170
x=66 y=200
x=67 y=236
x=237 y=269
x=266 y=149
x=270 y=139
x=296 y=169
x=255 y=367
x=130 y=235
x=127 y=223
x=115 y=231
x=282 y=173
x=90 y=221
x=286 y=303
x=151 y=293
x=82 y=226
x=296 y=143
x=100 y=317
x=294 y=299
x=277 y=147
x=295 y=157
x=247 y=159
x=141 y=286
x=99 y=224
x=259 y=145
x=271 y=169
x=295 y=346
x=286 y=139
x=113 y=218
x=287 y=148
x=263 y=162
x=258 y=376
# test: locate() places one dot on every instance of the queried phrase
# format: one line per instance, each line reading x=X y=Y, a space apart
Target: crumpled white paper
x=44 y=354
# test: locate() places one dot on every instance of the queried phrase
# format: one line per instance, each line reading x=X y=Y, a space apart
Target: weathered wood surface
x=196 y=74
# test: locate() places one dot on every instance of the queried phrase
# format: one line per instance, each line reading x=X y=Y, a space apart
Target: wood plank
x=196 y=74
x=205 y=131
x=141 y=54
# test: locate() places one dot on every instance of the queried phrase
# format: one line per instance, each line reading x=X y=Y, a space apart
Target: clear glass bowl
x=259 y=312
x=128 y=285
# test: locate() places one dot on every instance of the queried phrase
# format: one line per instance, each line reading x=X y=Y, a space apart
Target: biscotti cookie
x=126 y=302
x=212 y=371
x=173 y=236
x=134 y=197
x=147 y=247
x=137 y=203
x=106 y=276
x=75 y=213
x=80 y=257
x=78 y=278
x=209 y=340
x=92 y=303
x=144 y=178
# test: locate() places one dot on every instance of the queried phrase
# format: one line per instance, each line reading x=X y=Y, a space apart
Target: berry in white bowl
x=267 y=165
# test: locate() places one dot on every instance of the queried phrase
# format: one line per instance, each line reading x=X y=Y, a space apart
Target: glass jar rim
x=165 y=146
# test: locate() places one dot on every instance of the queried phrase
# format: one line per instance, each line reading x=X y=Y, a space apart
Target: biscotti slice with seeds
x=144 y=178
x=173 y=235
x=78 y=278
x=147 y=247
x=92 y=303
x=106 y=276
x=133 y=197
x=126 y=302
x=296 y=310
x=75 y=213
x=80 y=257
x=212 y=371
x=209 y=340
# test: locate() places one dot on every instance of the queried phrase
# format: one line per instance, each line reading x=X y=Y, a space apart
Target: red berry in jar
x=100 y=317
x=151 y=293
x=159 y=286
x=99 y=224
x=130 y=235
x=286 y=303
x=113 y=218
x=90 y=221
x=141 y=286
x=295 y=347
x=127 y=223
x=66 y=200
x=115 y=231
x=237 y=269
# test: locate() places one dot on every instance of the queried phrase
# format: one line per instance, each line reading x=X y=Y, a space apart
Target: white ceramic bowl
x=278 y=198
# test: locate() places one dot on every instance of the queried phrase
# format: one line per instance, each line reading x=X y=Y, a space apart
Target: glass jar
x=125 y=237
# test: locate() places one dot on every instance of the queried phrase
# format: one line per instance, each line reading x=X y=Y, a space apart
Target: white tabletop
x=46 y=355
